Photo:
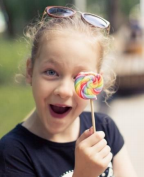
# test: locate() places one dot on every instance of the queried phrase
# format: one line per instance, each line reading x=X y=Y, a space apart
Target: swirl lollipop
x=88 y=85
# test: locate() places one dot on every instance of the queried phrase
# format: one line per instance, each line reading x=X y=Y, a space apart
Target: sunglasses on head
x=64 y=12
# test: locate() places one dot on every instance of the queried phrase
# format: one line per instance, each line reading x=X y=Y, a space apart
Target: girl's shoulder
x=16 y=140
x=14 y=157
x=10 y=137
x=103 y=121
x=11 y=142
x=100 y=117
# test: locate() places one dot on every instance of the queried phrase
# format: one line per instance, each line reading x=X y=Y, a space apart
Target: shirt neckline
x=35 y=137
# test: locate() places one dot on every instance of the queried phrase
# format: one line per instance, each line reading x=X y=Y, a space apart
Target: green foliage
x=15 y=103
x=15 y=99
x=127 y=5
x=101 y=6
x=22 y=12
x=12 y=52
x=97 y=7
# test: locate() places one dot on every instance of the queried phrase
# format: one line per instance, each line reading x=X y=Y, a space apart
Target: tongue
x=59 y=110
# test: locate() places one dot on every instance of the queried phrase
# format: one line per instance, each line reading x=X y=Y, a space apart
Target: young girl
x=56 y=140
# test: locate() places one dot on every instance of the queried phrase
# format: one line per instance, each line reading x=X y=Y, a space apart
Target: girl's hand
x=92 y=154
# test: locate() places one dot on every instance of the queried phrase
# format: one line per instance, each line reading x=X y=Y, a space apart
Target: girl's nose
x=65 y=89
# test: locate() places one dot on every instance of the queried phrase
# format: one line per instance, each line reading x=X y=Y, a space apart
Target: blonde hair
x=50 y=26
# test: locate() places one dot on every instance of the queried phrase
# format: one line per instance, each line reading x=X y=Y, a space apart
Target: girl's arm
x=122 y=164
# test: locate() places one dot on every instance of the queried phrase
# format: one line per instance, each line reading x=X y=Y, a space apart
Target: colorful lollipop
x=88 y=85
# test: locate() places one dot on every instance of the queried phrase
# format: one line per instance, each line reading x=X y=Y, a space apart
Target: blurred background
x=126 y=106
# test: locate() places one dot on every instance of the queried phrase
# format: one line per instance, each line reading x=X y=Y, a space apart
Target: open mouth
x=59 y=111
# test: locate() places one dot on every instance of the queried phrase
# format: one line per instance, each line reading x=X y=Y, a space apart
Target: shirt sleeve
x=114 y=137
x=112 y=134
x=14 y=161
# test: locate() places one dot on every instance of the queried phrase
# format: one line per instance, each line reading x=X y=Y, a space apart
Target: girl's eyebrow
x=81 y=67
x=52 y=61
x=57 y=63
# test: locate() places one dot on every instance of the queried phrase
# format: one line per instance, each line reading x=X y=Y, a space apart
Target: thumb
x=85 y=135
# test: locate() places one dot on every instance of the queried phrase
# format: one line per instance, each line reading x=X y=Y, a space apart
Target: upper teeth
x=62 y=106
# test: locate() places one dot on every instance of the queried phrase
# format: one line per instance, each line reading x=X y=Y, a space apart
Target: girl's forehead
x=72 y=45
x=68 y=35
x=58 y=40
x=66 y=49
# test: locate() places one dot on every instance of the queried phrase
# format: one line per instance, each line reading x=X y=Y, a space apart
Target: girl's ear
x=29 y=71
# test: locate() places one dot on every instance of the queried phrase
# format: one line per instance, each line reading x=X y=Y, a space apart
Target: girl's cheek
x=83 y=103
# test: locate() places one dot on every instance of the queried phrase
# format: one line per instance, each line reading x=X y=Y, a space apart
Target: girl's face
x=59 y=61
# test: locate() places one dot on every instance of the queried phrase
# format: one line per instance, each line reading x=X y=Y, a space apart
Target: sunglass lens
x=60 y=12
x=95 y=21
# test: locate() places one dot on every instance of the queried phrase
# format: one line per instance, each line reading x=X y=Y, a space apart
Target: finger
x=85 y=135
x=93 y=139
x=105 y=151
x=107 y=158
x=99 y=146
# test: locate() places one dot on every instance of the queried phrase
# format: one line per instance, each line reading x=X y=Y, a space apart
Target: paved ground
x=128 y=113
x=129 y=116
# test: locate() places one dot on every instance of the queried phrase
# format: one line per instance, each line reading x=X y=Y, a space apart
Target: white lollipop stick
x=92 y=114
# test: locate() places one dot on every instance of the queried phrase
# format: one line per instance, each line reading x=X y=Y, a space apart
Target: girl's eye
x=51 y=72
x=74 y=77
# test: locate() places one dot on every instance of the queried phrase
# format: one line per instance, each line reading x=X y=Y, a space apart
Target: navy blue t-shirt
x=24 y=154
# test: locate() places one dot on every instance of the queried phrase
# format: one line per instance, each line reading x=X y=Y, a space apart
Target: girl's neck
x=36 y=127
